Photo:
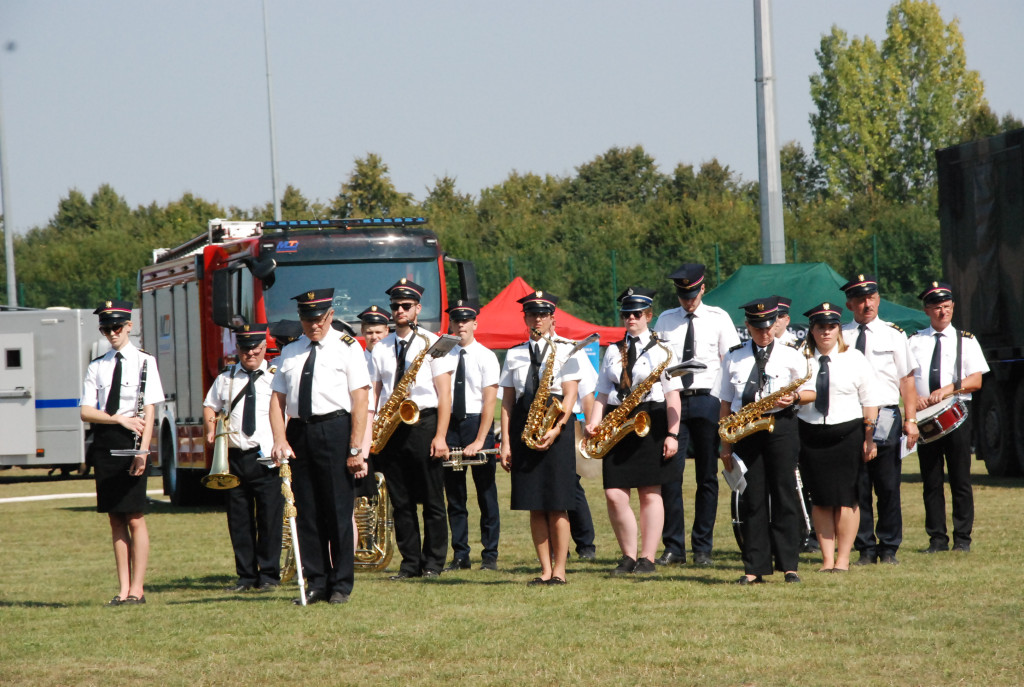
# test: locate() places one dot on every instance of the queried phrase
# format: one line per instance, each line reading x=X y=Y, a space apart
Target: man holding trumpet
x=321 y=385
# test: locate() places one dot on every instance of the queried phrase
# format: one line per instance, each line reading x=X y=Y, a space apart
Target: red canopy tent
x=500 y=324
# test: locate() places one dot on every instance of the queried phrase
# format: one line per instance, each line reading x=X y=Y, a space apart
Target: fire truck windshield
x=357 y=285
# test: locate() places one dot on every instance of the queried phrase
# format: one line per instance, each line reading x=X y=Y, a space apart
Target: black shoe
x=537 y=582
x=555 y=581
x=702 y=559
x=458 y=564
x=312 y=596
x=644 y=566
x=134 y=600
x=431 y=574
x=866 y=559
x=240 y=587
x=669 y=558
x=339 y=598
x=267 y=586
x=625 y=566
x=489 y=564
x=962 y=548
x=889 y=559
x=745 y=581
x=402 y=575
x=116 y=601
x=792 y=577
x=935 y=548
x=587 y=554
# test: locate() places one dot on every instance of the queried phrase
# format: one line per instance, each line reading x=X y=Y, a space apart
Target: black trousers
x=771 y=460
x=883 y=476
x=322 y=486
x=414 y=477
x=461 y=434
x=699 y=426
x=255 y=515
x=581 y=524
x=955 y=449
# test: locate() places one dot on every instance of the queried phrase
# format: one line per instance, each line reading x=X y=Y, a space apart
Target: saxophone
x=545 y=409
x=615 y=426
x=751 y=417
x=398 y=408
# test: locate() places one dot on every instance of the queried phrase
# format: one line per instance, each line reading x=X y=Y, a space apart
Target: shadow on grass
x=156 y=508
x=979 y=480
x=13 y=476
x=209 y=582
x=38 y=604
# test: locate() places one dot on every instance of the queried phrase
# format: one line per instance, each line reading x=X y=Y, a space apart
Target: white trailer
x=44 y=356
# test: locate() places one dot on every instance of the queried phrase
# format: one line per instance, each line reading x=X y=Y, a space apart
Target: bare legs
x=130 y=537
x=837 y=528
x=550 y=531
x=652 y=520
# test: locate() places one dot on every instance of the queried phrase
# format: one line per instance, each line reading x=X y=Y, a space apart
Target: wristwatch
x=353 y=452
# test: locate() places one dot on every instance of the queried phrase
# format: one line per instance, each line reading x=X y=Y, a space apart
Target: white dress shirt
x=888 y=351
x=785 y=365
x=922 y=344
x=227 y=386
x=852 y=386
x=517 y=366
x=98 y=376
x=482 y=370
x=714 y=334
x=385 y=363
x=340 y=369
x=646 y=361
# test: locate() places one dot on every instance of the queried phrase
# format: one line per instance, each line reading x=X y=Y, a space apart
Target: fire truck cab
x=242 y=272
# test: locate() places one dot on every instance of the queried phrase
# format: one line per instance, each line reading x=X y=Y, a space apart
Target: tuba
x=615 y=426
x=545 y=409
x=751 y=418
x=398 y=408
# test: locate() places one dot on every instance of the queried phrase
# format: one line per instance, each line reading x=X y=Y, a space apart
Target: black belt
x=245 y=453
x=785 y=412
x=694 y=392
x=320 y=418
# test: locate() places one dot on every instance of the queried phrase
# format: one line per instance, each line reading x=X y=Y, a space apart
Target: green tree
x=620 y=175
x=369 y=192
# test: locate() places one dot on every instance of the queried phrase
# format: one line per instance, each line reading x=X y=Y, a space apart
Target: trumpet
x=457 y=459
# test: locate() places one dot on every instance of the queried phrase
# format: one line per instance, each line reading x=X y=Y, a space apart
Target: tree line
x=865 y=195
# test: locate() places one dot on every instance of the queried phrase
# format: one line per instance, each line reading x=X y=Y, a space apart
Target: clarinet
x=140 y=409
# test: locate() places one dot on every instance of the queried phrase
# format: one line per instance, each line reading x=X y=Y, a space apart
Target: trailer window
x=12 y=358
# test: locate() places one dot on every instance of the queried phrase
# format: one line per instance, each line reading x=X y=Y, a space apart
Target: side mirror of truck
x=468 y=287
x=263 y=269
x=223 y=298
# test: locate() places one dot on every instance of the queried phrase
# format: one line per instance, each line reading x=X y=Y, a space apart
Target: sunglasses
x=111 y=330
x=632 y=315
x=402 y=306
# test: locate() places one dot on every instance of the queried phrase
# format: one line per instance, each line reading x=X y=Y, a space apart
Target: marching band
x=844 y=405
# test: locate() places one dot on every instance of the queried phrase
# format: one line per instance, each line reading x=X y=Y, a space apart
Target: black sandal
x=555 y=581
x=536 y=582
x=134 y=600
x=116 y=601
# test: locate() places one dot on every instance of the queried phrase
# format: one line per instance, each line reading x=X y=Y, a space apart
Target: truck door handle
x=16 y=392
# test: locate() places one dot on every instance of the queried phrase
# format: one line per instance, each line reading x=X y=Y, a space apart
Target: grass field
x=933 y=620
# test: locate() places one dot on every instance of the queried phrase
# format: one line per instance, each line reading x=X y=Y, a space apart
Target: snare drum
x=940 y=419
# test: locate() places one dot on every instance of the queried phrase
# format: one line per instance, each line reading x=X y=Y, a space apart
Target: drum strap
x=959 y=360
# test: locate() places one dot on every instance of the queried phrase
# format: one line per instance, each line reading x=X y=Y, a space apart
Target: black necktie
x=306 y=384
x=934 y=377
x=459 y=401
x=533 y=376
x=688 y=349
x=753 y=379
x=862 y=338
x=400 y=365
x=249 y=411
x=114 y=395
x=631 y=355
x=821 y=387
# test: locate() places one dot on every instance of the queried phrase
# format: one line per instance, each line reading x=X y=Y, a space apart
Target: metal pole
x=615 y=287
x=12 y=292
x=769 y=171
x=795 y=260
x=874 y=252
x=718 y=266
x=270 y=107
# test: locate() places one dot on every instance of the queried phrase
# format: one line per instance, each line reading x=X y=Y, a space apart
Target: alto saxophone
x=545 y=409
x=615 y=426
x=398 y=408
x=751 y=418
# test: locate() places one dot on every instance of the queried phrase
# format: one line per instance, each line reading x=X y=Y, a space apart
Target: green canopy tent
x=807 y=284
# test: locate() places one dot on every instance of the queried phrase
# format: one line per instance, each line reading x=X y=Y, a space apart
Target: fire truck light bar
x=347 y=223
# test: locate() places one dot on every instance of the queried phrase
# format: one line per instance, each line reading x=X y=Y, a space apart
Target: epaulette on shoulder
x=618 y=343
x=272 y=369
x=99 y=357
x=348 y=339
x=143 y=351
x=966 y=334
x=795 y=345
x=897 y=327
x=736 y=347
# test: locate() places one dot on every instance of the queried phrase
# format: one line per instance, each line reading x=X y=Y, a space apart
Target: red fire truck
x=247 y=272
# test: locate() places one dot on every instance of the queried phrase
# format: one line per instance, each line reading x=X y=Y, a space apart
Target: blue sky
x=159 y=99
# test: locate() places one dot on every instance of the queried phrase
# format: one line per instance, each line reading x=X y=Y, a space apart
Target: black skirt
x=830 y=458
x=542 y=480
x=637 y=461
x=116 y=490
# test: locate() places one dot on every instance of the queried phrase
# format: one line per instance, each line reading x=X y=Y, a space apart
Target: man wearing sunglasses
x=412 y=458
x=113 y=391
x=322 y=385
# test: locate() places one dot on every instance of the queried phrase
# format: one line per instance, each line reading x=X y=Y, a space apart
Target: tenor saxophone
x=398 y=408
x=752 y=417
x=545 y=408
x=615 y=426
